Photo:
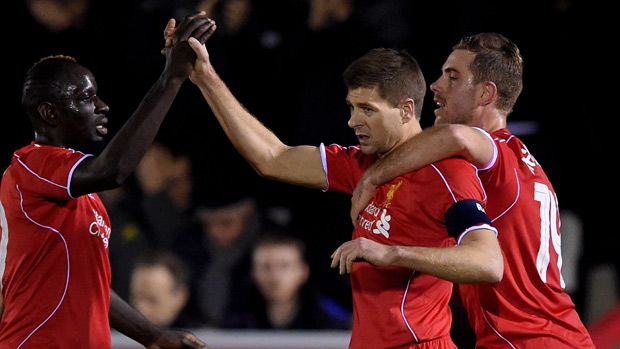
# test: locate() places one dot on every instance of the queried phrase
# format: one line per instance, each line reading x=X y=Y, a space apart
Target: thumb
x=169 y=32
x=199 y=49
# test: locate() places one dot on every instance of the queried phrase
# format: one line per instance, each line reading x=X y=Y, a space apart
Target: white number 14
x=548 y=231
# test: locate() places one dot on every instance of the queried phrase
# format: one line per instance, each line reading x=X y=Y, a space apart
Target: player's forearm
x=123 y=153
x=130 y=322
x=300 y=165
x=460 y=264
x=431 y=145
x=256 y=143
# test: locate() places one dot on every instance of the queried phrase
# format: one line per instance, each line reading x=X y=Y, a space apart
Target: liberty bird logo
x=383 y=224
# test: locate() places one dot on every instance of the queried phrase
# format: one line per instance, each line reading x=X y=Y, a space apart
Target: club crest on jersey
x=100 y=229
x=390 y=194
x=382 y=218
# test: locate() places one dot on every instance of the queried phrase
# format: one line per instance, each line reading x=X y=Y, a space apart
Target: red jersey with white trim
x=397 y=307
x=529 y=308
x=54 y=267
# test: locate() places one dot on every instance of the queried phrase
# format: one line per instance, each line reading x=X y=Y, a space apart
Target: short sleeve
x=460 y=180
x=344 y=166
x=46 y=171
x=493 y=160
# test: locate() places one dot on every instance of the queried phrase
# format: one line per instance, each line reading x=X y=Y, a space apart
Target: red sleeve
x=344 y=166
x=46 y=171
x=455 y=180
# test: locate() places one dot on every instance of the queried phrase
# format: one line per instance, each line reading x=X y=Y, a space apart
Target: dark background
x=289 y=75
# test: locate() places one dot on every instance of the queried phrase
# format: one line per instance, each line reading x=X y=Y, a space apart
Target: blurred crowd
x=200 y=240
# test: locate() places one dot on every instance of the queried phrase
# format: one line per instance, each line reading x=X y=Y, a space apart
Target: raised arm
x=121 y=156
x=257 y=144
x=431 y=145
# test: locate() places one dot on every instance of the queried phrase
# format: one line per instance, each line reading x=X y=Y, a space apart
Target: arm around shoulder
x=472 y=144
x=432 y=145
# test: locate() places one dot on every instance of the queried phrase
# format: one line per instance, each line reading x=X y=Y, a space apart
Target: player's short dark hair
x=498 y=60
x=43 y=82
x=395 y=73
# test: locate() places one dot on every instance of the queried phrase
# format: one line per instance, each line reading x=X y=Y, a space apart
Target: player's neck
x=43 y=139
x=491 y=121
x=410 y=130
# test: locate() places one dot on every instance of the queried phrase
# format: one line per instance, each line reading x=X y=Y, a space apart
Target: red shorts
x=440 y=343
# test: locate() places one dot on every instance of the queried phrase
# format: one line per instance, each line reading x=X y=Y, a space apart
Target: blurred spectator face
x=234 y=13
x=279 y=272
x=155 y=295
x=58 y=15
x=225 y=225
x=160 y=170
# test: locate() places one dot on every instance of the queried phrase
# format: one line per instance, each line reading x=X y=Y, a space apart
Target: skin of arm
x=478 y=258
x=131 y=323
x=121 y=156
x=431 y=145
x=300 y=165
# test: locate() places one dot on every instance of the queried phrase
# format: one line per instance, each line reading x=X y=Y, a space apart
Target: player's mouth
x=101 y=129
x=362 y=139
x=440 y=104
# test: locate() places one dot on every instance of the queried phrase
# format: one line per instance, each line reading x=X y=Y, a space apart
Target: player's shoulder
x=351 y=154
x=453 y=164
x=445 y=170
x=503 y=135
x=34 y=150
x=43 y=160
x=341 y=149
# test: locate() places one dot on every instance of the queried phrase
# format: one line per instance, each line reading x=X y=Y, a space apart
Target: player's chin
x=368 y=149
x=97 y=145
x=440 y=121
x=440 y=118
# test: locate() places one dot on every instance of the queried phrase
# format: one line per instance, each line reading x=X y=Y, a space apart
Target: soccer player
x=54 y=229
x=479 y=84
x=403 y=305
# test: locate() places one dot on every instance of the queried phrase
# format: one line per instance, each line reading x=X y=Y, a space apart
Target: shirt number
x=548 y=231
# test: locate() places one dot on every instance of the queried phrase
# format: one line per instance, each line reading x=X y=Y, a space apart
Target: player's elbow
x=264 y=169
x=494 y=269
x=489 y=263
x=112 y=179
x=268 y=165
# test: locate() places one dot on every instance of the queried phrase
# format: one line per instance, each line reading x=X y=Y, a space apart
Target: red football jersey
x=529 y=308
x=398 y=307
x=54 y=267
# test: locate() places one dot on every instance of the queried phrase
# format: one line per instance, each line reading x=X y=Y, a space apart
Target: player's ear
x=48 y=114
x=407 y=110
x=488 y=94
